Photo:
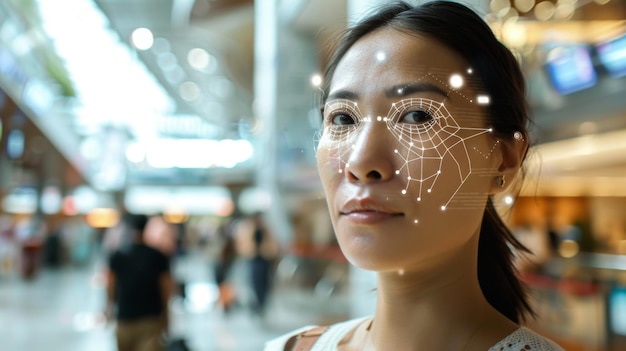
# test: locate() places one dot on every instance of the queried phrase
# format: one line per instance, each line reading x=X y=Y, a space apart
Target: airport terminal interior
x=204 y=113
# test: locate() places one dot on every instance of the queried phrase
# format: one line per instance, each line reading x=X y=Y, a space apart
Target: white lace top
x=522 y=339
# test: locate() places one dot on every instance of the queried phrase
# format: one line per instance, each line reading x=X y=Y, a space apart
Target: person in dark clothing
x=224 y=263
x=139 y=286
x=260 y=264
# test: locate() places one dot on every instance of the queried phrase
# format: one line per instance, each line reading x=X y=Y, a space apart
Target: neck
x=422 y=308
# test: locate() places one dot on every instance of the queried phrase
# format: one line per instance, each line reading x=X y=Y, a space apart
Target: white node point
x=456 y=81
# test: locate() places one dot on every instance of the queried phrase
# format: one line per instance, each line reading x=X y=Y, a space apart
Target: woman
x=424 y=119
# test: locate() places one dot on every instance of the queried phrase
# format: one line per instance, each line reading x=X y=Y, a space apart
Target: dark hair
x=463 y=31
x=136 y=222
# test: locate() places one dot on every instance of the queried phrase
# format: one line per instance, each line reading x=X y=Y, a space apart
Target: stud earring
x=518 y=136
x=500 y=181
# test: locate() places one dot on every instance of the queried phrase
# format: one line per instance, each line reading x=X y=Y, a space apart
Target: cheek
x=453 y=172
x=329 y=163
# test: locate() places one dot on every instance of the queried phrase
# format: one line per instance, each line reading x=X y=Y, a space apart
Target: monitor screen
x=617 y=310
x=570 y=69
x=612 y=55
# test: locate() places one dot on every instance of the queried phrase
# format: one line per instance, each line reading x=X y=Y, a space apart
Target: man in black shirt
x=139 y=285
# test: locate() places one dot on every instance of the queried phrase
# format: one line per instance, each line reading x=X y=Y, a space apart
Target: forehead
x=387 y=57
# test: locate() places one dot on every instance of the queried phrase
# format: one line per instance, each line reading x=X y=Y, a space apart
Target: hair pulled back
x=463 y=31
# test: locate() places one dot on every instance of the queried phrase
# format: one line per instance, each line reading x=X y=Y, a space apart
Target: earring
x=500 y=181
x=518 y=136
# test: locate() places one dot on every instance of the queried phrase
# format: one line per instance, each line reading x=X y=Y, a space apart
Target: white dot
x=403 y=192
x=395 y=151
x=381 y=56
x=456 y=81
x=347 y=165
x=379 y=118
x=508 y=200
x=429 y=190
x=316 y=80
x=409 y=177
x=439 y=172
x=415 y=221
x=400 y=90
x=398 y=171
x=443 y=208
x=340 y=171
x=470 y=71
x=385 y=119
x=483 y=99
x=411 y=143
x=419 y=199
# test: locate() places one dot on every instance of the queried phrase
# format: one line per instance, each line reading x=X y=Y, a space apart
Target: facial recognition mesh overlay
x=427 y=138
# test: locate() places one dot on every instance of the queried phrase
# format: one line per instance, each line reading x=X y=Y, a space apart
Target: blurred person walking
x=261 y=248
x=225 y=259
x=139 y=286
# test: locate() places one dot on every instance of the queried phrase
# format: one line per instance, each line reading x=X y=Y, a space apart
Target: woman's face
x=407 y=158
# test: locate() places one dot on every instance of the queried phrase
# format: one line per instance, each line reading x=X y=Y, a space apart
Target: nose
x=372 y=155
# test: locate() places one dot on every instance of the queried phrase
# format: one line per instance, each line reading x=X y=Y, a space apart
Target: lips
x=368 y=211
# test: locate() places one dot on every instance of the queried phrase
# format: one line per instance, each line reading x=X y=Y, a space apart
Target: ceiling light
x=161 y=45
x=544 y=10
x=189 y=91
x=142 y=38
x=198 y=58
x=524 y=5
x=498 y=5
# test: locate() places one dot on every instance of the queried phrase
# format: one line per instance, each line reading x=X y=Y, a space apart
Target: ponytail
x=496 y=274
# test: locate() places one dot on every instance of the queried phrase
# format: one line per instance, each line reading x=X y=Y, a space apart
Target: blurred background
x=203 y=112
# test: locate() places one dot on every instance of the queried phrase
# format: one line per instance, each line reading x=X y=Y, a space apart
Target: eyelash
x=331 y=118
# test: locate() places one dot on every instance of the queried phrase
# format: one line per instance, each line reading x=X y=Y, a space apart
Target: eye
x=342 y=119
x=417 y=117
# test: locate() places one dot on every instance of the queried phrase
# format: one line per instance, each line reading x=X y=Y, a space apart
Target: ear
x=513 y=153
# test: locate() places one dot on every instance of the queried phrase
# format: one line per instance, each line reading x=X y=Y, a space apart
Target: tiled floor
x=60 y=310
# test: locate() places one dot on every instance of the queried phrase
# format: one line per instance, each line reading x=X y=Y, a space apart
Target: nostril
x=374 y=175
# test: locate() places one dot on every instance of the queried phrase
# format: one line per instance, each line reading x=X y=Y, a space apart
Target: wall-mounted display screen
x=617 y=310
x=571 y=69
x=612 y=55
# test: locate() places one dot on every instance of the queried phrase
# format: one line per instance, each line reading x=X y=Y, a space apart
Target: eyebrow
x=402 y=90
x=399 y=90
